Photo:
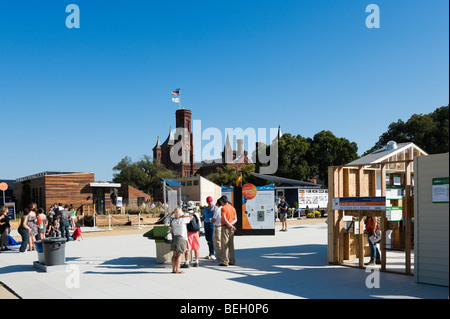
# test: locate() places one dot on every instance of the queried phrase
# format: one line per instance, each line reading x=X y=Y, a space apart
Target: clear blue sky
x=82 y=99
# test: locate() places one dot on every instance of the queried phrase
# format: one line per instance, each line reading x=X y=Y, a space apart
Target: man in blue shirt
x=282 y=209
x=207 y=216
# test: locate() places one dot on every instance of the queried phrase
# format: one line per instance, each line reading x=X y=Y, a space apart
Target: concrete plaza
x=289 y=265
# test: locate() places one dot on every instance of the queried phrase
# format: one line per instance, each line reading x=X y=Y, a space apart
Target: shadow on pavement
x=303 y=271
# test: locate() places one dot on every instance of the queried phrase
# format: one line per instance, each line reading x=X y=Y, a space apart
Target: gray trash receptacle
x=54 y=251
x=40 y=251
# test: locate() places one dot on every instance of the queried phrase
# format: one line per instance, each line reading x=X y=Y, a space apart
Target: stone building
x=180 y=146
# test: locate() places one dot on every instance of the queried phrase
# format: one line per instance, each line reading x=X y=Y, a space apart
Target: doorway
x=99 y=200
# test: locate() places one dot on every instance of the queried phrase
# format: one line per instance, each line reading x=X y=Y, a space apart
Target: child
x=77 y=233
x=53 y=230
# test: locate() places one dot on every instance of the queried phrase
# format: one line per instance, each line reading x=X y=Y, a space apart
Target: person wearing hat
x=207 y=217
x=178 y=221
x=193 y=232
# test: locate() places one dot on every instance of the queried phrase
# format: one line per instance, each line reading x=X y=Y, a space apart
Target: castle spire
x=170 y=139
x=158 y=144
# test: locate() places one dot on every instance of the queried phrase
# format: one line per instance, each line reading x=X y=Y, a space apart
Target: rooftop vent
x=391 y=145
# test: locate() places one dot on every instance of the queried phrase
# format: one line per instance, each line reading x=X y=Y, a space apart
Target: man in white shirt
x=216 y=220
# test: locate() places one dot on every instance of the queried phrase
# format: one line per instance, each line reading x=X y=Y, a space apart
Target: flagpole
x=177 y=93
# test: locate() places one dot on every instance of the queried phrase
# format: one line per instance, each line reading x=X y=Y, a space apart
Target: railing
x=89 y=214
x=86 y=212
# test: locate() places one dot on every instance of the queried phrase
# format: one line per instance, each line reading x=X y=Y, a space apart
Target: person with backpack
x=193 y=229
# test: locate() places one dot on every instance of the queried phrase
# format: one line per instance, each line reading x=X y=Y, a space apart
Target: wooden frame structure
x=365 y=177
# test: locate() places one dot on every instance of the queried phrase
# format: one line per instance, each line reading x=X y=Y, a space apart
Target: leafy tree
x=224 y=176
x=292 y=157
x=301 y=158
x=227 y=176
x=129 y=173
x=328 y=150
x=428 y=131
x=144 y=175
x=247 y=176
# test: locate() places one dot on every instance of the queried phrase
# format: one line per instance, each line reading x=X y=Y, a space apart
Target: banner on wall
x=258 y=207
x=312 y=198
x=255 y=206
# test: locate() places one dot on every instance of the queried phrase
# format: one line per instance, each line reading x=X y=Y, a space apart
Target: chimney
x=240 y=147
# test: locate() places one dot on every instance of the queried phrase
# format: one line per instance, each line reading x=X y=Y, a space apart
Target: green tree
x=144 y=174
x=328 y=150
x=292 y=157
x=129 y=173
x=428 y=131
x=224 y=176
x=301 y=158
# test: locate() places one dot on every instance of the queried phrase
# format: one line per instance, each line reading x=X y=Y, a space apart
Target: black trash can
x=54 y=251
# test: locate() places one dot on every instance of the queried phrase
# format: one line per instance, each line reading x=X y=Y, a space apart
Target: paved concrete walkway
x=288 y=265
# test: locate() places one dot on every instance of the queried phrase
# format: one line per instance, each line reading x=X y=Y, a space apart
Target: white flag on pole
x=176 y=99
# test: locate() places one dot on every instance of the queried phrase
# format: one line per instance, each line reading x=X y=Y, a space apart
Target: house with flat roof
x=72 y=188
x=197 y=189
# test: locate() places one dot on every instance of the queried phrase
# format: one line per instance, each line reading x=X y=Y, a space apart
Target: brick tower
x=183 y=121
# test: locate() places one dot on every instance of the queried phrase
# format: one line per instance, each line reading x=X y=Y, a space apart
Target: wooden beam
x=361 y=240
x=359 y=192
x=333 y=218
x=406 y=206
x=368 y=213
x=383 y=221
x=340 y=223
x=383 y=180
x=383 y=224
x=378 y=163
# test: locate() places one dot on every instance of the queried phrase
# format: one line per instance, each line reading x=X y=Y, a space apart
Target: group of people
x=219 y=220
x=35 y=224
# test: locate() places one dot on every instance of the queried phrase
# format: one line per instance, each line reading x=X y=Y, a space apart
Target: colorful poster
x=312 y=198
x=258 y=207
x=359 y=203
